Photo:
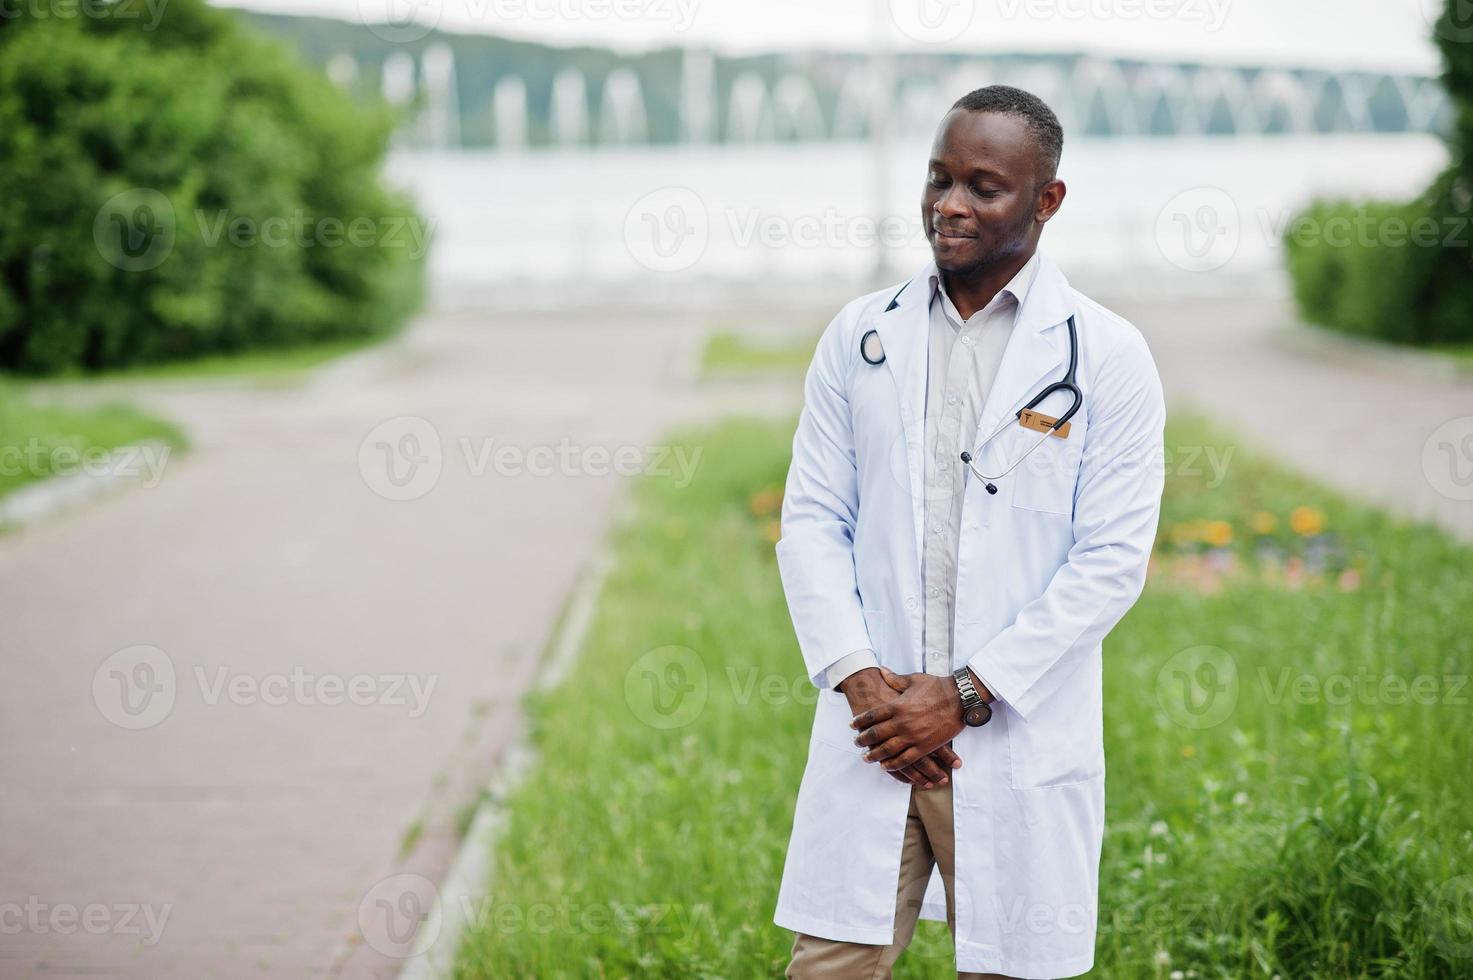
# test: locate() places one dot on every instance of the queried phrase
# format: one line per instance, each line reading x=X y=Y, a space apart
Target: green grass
x=269 y=365
x=730 y=352
x=1297 y=834
x=37 y=440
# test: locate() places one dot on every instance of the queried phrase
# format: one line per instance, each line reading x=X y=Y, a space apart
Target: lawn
x=1288 y=743
x=736 y=352
x=37 y=440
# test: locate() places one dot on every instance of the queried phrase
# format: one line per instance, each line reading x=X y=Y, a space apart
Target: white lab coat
x=1046 y=567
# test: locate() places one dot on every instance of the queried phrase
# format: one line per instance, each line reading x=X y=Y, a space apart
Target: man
x=952 y=563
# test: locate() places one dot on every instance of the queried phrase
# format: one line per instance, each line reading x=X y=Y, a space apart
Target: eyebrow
x=983 y=171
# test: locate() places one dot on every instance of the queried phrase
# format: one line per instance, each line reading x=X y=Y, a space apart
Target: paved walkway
x=242 y=832
x=1378 y=432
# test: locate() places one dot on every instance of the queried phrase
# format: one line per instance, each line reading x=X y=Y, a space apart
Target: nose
x=947 y=204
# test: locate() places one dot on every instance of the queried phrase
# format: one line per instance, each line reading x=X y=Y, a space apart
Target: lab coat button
x=910 y=602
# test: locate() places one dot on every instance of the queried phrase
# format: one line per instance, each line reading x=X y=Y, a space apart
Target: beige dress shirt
x=962 y=361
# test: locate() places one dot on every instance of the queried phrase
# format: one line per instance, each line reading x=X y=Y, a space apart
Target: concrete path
x=241 y=706
x=1380 y=431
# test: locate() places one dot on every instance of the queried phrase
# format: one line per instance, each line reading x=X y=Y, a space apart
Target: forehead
x=997 y=141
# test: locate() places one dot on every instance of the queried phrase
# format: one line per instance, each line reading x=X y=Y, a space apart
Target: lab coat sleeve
x=815 y=553
x=1117 y=503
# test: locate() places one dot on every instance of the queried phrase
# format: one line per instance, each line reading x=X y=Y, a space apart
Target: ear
x=1049 y=199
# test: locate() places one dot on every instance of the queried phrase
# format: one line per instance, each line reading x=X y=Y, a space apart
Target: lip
x=943 y=233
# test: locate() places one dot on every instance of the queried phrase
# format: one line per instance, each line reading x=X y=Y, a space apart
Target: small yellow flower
x=765 y=502
x=1219 y=534
x=1306 y=521
x=1187 y=751
x=772 y=531
x=1186 y=532
x=1264 y=522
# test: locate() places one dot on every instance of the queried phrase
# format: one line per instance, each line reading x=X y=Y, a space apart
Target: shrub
x=186 y=188
x=1414 y=293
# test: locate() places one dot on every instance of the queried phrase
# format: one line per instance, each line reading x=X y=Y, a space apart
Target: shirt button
x=935 y=528
x=951 y=399
x=933 y=592
x=967 y=341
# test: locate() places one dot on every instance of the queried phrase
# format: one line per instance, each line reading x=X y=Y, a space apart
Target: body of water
x=1205 y=214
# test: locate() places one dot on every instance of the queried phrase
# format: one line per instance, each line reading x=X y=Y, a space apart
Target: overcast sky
x=1391 y=34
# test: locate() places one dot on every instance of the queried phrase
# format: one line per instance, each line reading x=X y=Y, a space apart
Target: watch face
x=978 y=716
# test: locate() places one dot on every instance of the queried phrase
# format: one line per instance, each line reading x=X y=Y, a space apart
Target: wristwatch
x=975 y=711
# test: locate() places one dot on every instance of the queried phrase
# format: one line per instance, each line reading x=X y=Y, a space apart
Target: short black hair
x=1034 y=111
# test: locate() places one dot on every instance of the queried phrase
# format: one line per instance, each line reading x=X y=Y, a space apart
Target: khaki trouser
x=928 y=842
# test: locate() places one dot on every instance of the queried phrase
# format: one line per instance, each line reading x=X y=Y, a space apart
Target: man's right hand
x=867 y=689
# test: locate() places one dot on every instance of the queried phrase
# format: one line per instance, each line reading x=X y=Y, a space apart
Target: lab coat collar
x=1034 y=349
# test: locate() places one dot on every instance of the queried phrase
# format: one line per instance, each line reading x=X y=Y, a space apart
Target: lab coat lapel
x=1035 y=351
x=904 y=327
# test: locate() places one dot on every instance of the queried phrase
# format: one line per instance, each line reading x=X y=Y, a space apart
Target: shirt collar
x=1016 y=290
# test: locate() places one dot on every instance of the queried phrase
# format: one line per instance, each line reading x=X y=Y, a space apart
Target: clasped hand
x=906 y=722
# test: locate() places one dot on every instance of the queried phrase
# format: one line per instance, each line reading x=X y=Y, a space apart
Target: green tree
x=186 y=187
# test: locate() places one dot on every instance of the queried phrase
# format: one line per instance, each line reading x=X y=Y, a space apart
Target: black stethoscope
x=873 y=353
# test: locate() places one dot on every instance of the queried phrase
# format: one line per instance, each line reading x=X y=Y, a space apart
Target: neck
x=972 y=289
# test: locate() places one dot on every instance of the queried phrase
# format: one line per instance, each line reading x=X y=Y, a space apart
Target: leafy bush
x=186 y=187
x=1380 y=281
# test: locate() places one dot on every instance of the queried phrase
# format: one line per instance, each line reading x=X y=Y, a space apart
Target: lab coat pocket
x=1058 y=745
x=1045 y=479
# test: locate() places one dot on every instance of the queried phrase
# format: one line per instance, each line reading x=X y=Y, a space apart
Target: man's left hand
x=923 y=717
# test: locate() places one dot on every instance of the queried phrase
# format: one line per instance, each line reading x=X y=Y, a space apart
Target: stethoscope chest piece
x=871 y=349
